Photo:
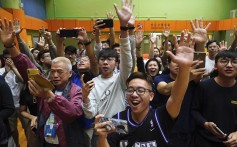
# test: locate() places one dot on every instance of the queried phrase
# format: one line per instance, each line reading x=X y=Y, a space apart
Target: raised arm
x=152 y=45
x=124 y=14
x=110 y=15
x=184 y=59
x=234 y=43
x=223 y=45
x=59 y=44
x=131 y=31
x=21 y=61
x=7 y=37
x=82 y=37
x=139 y=37
x=22 y=45
x=98 y=44
x=10 y=64
x=52 y=47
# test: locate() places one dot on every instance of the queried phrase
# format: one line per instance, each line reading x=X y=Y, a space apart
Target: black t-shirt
x=74 y=68
x=27 y=99
x=151 y=132
x=214 y=103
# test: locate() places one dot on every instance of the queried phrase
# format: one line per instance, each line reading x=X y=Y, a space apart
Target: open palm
x=184 y=51
x=200 y=35
x=124 y=14
x=7 y=33
x=200 y=32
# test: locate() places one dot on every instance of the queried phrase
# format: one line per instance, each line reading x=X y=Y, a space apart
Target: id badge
x=53 y=132
x=47 y=131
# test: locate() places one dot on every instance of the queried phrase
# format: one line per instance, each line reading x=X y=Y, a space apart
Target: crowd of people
x=168 y=100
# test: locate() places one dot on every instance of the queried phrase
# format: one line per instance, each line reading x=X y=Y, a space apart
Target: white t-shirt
x=15 y=85
x=209 y=64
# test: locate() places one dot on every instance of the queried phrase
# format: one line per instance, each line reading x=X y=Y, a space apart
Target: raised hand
x=59 y=39
x=7 y=33
x=10 y=63
x=41 y=42
x=110 y=14
x=166 y=31
x=152 y=38
x=235 y=31
x=200 y=31
x=42 y=31
x=223 y=46
x=98 y=25
x=139 y=37
x=124 y=14
x=48 y=36
x=7 y=65
x=184 y=51
x=16 y=27
x=82 y=35
x=132 y=19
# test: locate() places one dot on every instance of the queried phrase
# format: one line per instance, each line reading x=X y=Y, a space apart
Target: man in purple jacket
x=59 y=109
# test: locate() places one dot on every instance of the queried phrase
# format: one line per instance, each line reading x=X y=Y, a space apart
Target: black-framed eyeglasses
x=139 y=91
x=225 y=61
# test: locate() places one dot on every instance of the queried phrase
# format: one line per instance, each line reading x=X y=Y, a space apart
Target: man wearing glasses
x=59 y=109
x=215 y=105
x=146 y=126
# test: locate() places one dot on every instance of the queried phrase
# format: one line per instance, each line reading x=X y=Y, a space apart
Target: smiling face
x=139 y=103
x=152 y=68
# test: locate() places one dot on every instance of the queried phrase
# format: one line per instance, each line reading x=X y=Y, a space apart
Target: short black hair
x=115 y=45
x=226 y=54
x=163 y=43
x=153 y=59
x=5 y=52
x=70 y=49
x=34 y=49
x=105 y=53
x=41 y=54
x=210 y=42
x=140 y=75
x=106 y=41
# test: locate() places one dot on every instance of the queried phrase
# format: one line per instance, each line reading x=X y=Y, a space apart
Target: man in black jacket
x=6 y=109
